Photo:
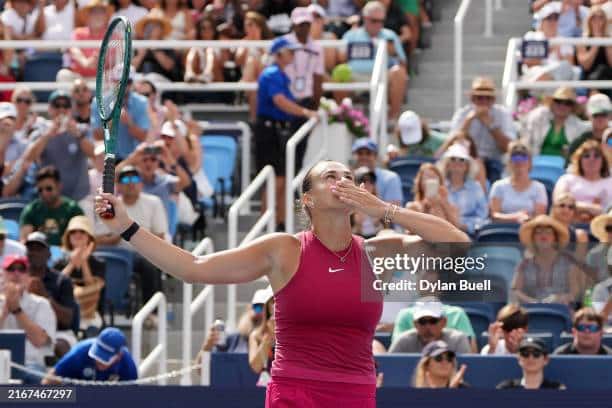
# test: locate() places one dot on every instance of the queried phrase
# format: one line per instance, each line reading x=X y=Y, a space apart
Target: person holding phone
x=431 y=195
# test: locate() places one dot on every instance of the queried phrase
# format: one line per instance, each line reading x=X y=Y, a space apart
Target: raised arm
x=231 y=266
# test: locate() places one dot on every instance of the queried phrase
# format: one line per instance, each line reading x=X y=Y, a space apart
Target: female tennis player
x=324 y=327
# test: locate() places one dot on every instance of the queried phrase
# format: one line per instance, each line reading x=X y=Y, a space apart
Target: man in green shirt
x=51 y=212
x=599 y=109
x=455 y=317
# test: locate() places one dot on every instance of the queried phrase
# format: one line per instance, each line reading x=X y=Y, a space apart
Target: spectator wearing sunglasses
x=51 y=212
x=464 y=192
x=587 y=331
x=532 y=358
x=588 y=179
x=517 y=198
x=564 y=211
x=22 y=310
x=551 y=128
x=599 y=109
x=81 y=95
x=26 y=120
x=507 y=332
x=146 y=209
x=488 y=123
x=438 y=368
x=65 y=144
x=429 y=326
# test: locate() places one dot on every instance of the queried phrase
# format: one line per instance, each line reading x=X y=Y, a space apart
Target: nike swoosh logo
x=335 y=270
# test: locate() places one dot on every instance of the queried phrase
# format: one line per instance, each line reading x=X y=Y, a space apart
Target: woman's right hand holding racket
x=103 y=203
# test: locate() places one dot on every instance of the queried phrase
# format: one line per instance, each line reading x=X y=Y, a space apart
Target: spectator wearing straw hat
x=84 y=61
x=550 y=128
x=548 y=274
x=163 y=62
x=599 y=109
x=489 y=124
x=105 y=358
x=466 y=194
x=597 y=258
x=86 y=270
x=24 y=310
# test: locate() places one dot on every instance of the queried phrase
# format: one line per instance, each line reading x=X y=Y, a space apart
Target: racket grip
x=108 y=183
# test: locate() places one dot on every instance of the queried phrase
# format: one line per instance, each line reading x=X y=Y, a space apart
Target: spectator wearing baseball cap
x=599 y=109
x=105 y=358
x=7 y=245
x=430 y=326
x=388 y=183
x=12 y=146
x=532 y=357
x=438 y=368
x=277 y=111
x=414 y=136
x=24 y=310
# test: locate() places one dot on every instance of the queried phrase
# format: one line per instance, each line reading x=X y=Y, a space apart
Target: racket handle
x=108 y=183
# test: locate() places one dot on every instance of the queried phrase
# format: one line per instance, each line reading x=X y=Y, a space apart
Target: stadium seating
x=548 y=338
x=10 y=209
x=407 y=168
x=542 y=319
x=498 y=233
x=568 y=338
x=231 y=370
x=501 y=260
x=480 y=321
x=42 y=67
x=12 y=227
x=119 y=269
x=14 y=340
x=219 y=162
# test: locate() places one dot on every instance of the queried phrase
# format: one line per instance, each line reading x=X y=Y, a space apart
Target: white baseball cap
x=549 y=9
x=301 y=15
x=7 y=110
x=317 y=9
x=427 y=309
x=262 y=296
x=410 y=128
x=168 y=130
x=599 y=103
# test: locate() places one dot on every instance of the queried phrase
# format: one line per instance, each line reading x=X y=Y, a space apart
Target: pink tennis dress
x=324 y=331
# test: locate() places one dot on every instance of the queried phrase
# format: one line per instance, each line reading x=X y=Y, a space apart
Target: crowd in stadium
x=479 y=174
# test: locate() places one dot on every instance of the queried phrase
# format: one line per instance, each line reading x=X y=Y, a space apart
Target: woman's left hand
x=359 y=198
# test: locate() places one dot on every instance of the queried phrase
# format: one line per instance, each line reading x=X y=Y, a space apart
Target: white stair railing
x=267 y=221
x=206 y=299
x=378 y=98
x=160 y=351
x=292 y=182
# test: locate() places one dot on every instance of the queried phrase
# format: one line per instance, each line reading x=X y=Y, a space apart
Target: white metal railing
x=378 y=98
x=458 y=22
x=5 y=366
x=292 y=182
x=511 y=83
x=266 y=221
x=245 y=147
x=160 y=351
x=206 y=299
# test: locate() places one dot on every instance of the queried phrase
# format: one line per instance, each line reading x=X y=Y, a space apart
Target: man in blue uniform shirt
x=104 y=358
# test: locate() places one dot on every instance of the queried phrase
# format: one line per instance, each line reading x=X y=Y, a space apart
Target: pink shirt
x=83 y=33
x=306 y=63
x=585 y=190
x=324 y=327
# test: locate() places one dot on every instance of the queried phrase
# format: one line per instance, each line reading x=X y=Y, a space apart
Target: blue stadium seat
x=501 y=260
x=10 y=209
x=119 y=269
x=544 y=160
x=218 y=163
x=12 y=227
x=57 y=253
x=42 y=67
x=14 y=340
x=549 y=185
x=384 y=338
x=546 y=320
x=407 y=191
x=498 y=233
x=407 y=168
x=480 y=321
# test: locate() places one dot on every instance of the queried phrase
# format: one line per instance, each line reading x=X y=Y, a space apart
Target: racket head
x=113 y=71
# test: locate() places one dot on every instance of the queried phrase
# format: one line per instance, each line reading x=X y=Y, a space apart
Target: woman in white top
x=26 y=121
x=517 y=198
x=180 y=19
x=21 y=20
x=588 y=180
x=128 y=9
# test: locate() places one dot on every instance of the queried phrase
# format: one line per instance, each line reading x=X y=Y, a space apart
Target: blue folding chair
x=11 y=209
x=219 y=162
x=480 y=321
x=12 y=227
x=119 y=270
x=42 y=67
x=550 y=321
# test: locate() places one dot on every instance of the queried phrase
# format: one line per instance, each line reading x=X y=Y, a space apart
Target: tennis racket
x=111 y=81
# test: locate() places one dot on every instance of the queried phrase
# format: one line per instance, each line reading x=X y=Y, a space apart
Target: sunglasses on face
x=129 y=180
x=258 y=308
x=47 y=189
x=61 y=105
x=428 y=320
x=25 y=101
x=457 y=160
x=591 y=155
x=448 y=356
x=564 y=102
x=519 y=158
x=531 y=353
x=17 y=268
x=375 y=20
x=565 y=205
x=588 y=327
